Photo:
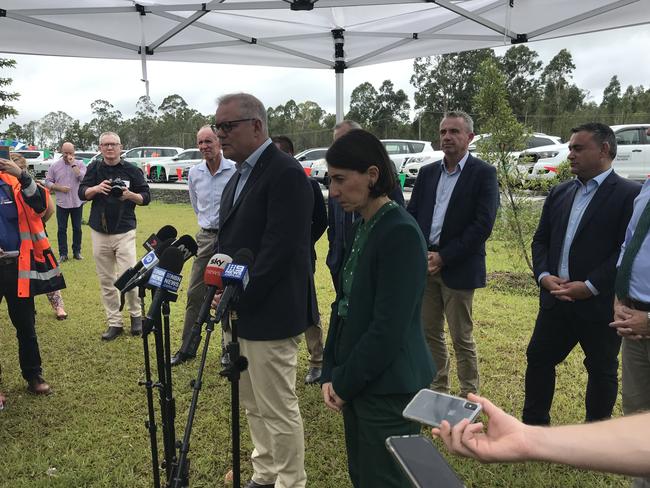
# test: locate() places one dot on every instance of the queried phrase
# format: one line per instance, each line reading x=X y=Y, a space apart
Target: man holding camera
x=115 y=187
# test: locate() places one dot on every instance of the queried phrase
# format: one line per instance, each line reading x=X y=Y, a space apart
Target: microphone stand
x=232 y=371
x=182 y=469
x=167 y=402
x=150 y=424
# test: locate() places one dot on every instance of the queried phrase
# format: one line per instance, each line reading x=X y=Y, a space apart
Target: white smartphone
x=422 y=462
x=9 y=254
x=431 y=408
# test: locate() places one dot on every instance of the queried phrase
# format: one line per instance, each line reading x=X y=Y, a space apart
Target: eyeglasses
x=230 y=125
x=110 y=144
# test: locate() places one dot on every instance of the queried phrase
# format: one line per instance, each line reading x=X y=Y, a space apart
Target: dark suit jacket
x=272 y=218
x=318 y=226
x=380 y=349
x=596 y=244
x=468 y=221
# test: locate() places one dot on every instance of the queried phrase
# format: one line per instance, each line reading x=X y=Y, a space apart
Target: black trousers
x=557 y=331
x=21 y=313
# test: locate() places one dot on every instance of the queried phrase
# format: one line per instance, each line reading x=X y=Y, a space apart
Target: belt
x=433 y=248
x=8 y=261
x=637 y=305
x=211 y=231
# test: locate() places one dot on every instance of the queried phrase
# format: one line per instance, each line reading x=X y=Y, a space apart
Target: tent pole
x=143 y=57
x=339 y=69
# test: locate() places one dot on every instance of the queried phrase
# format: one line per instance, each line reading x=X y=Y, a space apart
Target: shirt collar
x=459 y=166
x=224 y=165
x=597 y=181
x=251 y=160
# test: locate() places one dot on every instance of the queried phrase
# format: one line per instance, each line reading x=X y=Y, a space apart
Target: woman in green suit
x=376 y=357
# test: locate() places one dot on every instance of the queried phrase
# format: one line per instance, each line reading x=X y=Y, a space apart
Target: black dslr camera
x=117 y=187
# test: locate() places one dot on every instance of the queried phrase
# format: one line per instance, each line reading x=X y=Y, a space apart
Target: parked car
x=403 y=151
x=167 y=170
x=307 y=157
x=141 y=156
x=319 y=171
x=85 y=156
x=38 y=162
x=632 y=158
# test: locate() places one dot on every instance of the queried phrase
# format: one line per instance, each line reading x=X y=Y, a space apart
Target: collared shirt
x=247 y=166
x=583 y=196
x=446 y=185
x=640 y=276
x=62 y=174
x=206 y=189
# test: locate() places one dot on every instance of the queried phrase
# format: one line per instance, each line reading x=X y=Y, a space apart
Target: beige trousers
x=268 y=394
x=440 y=302
x=114 y=254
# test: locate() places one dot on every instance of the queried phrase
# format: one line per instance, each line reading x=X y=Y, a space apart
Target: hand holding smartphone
x=4 y=152
x=431 y=408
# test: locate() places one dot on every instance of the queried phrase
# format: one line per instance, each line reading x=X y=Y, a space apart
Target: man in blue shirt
x=575 y=249
x=632 y=311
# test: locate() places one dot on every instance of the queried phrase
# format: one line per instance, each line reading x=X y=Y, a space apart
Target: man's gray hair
x=459 y=114
x=109 y=133
x=249 y=107
x=350 y=124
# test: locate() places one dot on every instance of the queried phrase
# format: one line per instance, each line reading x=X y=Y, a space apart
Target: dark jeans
x=21 y=313
x=62 y=234
x=368 y=420
x=557 y=331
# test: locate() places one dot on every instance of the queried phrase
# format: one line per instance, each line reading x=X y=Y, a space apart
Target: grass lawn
x=91 y=433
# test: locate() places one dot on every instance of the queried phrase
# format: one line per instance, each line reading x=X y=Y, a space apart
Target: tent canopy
x=335 y=34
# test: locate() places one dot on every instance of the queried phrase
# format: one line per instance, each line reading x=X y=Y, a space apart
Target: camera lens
x=470 y=406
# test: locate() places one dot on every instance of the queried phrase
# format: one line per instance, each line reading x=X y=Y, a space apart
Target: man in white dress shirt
x=206 y=182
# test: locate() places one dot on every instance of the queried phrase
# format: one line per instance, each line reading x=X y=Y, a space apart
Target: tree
x=612 y=96
x=105 y=119
x=521 y=67
x=81 y=136
x=506 y=135
x=7 y=110
x=446 y=82
x=53 y=127
x=560 y=95
x=384 y=112
x=363 y=100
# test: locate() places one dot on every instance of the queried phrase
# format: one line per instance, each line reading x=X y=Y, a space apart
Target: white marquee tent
x=325 y=34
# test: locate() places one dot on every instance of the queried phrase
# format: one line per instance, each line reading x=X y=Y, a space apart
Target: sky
x=48 y=83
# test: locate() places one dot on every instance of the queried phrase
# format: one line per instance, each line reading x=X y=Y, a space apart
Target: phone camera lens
x=470 y=406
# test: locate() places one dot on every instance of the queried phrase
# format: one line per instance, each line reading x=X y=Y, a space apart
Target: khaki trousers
x=440 y=302
x=267 y=392
x=196 y=286
x=114 y=254
x=314 y=340
x=636 y=384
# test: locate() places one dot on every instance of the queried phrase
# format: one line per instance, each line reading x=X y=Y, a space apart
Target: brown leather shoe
x=37 y=386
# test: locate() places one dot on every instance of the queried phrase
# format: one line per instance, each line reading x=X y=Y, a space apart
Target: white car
x=632 y=157
x=38 y=162
x=319 y=171
x=141 y=156
x=168 y=170
x=403 y=151
x=307 y=157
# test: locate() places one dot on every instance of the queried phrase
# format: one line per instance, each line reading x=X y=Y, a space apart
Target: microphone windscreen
x=214 y=270
x=172 y=260
x=188 y=245
x=167 y=232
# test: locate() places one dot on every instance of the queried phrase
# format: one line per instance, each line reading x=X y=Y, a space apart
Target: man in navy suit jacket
x=455 y=203
x=575 y=249
x=267 y=207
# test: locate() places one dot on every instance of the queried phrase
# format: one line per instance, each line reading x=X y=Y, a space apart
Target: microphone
x=153 y=242
x=187 y=245
x=165 y=232
x=166 y=279
x=213 y=282
x=138 y=274
x=235 y=277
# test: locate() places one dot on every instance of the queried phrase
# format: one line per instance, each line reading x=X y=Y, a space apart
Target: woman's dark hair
x=358 y=150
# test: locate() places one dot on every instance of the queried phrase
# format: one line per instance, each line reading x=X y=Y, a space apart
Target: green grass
x=91 y=430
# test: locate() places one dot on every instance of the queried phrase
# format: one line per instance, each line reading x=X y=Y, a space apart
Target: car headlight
x=547 y=154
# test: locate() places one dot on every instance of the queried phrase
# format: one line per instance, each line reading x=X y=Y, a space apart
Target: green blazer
x=380 y=348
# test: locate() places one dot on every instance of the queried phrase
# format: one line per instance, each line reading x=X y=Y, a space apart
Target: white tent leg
x=143 y=57
x=340 y=113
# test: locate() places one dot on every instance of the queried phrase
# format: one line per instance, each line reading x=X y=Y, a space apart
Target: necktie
x=624 y=273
